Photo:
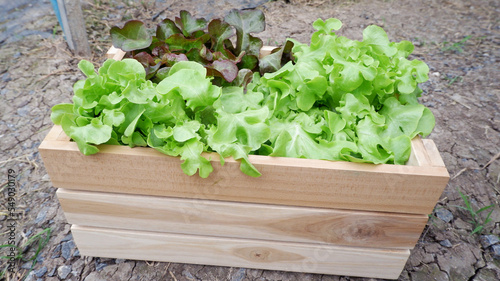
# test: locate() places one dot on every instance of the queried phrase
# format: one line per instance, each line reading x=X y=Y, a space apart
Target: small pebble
x=57 y=251
x=30 y=277
x=41 y=272
x=63 y=271
x=444 y=214
x=6 y=78
x=446 y=243
x=188 y=275
x=67 y=238
x=23 y=111
x=52 y=272
x=27 y=265
x=239 y=275
x=496 y=251
x=41 y=216
x=66 y=249
x=100 y=266
x=488 y=240
x=76 y=253
x=39 y=259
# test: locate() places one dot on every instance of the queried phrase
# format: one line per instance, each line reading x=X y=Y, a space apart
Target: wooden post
x=74 y=26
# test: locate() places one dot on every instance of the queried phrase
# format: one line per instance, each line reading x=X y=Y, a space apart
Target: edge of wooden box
x=413 y=188
x=284 y=181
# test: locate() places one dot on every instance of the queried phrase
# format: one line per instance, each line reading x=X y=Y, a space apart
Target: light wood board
x=73 y=25
x=433 y=153
x=114 y=53
x=241 y=220
x=284 y=181
x=298 y=257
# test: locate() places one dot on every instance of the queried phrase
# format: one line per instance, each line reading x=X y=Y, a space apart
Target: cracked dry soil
x=459 y=40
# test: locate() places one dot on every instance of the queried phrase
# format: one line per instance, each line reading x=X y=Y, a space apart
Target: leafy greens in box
x=208 y=43
x=340 y=99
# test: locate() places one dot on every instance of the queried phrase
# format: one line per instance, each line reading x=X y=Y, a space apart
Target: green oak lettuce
x=362 y=93
x=340 y=99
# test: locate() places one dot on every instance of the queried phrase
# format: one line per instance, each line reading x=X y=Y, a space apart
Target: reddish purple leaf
x=227 y=68
x=145 y=59
x=170 y=58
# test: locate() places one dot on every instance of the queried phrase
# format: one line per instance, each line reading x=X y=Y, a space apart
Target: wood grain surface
x=250 y=253
x=434 y=157
x=284 y=181
x=114 y=53
x=241 y=220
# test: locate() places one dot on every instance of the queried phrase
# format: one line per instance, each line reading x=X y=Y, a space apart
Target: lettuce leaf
x=341 y=99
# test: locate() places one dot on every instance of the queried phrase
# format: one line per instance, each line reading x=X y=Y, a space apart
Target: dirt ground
x=459 y=40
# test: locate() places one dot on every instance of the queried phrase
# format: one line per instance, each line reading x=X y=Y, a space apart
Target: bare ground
x=459 y=40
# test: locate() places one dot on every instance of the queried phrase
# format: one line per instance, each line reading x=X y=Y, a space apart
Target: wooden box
x=301 y=215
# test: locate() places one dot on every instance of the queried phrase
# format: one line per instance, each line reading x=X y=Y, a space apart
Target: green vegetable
x=361 y=94
x=340 y=100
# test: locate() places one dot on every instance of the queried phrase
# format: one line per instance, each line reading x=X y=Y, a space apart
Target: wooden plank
x=111 y=52
x=266 y=50
x=299 y=257
x=56 y=133
x=241 y=220
x=115 y=53
x=74 y=26
x=433 y=153
x=284 y=181
x=418 y=156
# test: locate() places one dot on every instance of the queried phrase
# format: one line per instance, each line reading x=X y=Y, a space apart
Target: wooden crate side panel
x=241 y=220
x=418 y=155
x=114 y=53
x=248 y=253
x=433 y=153
x=265 y=51
x=284 y=181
